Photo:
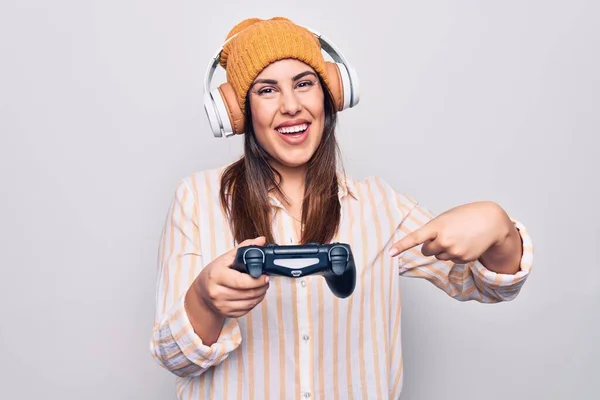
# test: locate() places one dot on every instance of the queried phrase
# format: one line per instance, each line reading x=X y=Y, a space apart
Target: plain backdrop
x=101 y=113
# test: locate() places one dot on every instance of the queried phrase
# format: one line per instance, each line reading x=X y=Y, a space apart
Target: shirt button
x=306 y=395
x=305 y=338
x=303 y=283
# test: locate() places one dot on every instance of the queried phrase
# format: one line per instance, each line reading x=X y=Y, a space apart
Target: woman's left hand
x=475 y=231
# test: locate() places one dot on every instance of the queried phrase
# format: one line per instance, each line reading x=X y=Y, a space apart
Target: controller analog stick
x=339 y=259
x=254 y=260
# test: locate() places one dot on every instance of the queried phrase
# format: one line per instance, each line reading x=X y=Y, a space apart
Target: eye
x=305 y=84
x=266 y=91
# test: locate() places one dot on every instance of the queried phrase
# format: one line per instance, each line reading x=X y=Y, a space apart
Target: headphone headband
x=326 y=45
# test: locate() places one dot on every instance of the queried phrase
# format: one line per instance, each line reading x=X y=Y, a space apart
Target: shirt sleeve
x=470 y=281
x=174 y=344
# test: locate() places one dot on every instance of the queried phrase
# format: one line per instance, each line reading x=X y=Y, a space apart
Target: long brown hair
x=245 y=185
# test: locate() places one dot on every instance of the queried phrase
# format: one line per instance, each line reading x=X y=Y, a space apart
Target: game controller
x=334 y=262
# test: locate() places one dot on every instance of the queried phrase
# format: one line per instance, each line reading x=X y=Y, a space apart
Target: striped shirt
x=302 y=342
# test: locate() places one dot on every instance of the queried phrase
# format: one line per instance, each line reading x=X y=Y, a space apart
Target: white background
x=101 y=113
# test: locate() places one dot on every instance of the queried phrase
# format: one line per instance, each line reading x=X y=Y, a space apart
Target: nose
x=290 y=103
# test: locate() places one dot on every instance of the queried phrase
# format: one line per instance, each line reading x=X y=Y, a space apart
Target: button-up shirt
x=301 y=341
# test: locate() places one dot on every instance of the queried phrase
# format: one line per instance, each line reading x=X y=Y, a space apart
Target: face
x=286 y=101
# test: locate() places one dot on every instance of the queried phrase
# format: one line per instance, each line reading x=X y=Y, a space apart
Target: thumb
x=230 y=255
x=259 y=241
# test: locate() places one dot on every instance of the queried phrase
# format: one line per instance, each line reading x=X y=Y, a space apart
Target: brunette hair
x=245 y=185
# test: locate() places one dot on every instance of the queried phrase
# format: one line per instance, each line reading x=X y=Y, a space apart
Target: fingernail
x=393 y=251
x=267 y=279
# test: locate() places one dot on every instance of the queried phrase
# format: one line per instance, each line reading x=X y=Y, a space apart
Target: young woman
x=227 y=335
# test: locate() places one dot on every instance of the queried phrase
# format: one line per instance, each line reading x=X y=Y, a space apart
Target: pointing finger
x=413 y=239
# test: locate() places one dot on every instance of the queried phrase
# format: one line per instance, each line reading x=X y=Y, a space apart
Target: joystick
x=334 y=262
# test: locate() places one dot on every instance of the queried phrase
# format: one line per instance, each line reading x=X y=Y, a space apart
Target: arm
x=469 y=280
x=187 y=338
x=206 y=323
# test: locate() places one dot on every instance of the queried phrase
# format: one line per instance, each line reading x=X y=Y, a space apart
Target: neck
x=292 y=183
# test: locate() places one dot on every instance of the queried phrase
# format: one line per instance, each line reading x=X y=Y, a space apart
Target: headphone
x=225 y=116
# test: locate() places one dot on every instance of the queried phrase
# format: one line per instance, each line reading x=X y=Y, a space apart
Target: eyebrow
x=274 y=82
x=303 y=74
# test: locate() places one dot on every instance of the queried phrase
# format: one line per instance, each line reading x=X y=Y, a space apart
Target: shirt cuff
x=191 y=344
x=507 y=286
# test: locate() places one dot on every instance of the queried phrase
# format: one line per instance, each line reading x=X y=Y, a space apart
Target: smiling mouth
x=293 y=130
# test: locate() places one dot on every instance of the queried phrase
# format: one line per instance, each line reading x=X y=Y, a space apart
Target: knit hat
x=261 y=42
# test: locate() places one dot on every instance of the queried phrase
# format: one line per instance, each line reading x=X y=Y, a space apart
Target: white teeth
x=293 y=129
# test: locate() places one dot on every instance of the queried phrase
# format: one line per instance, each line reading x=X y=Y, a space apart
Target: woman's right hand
x=227 y=292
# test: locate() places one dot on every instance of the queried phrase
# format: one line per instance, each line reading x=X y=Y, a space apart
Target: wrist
x=206 y=322
x=504 y=256
x=196 y=302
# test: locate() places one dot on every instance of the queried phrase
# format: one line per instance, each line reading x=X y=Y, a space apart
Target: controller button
x=254 y=255
x=300 y=250
x=338 y=251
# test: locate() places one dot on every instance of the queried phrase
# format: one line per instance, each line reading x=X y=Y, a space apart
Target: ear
x=335 y=84
x=234 y=112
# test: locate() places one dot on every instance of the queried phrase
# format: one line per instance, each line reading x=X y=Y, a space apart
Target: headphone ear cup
x=344 y=84
x=233 y=113
x=336 y=85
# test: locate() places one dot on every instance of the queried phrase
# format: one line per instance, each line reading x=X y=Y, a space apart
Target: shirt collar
x=345 y=187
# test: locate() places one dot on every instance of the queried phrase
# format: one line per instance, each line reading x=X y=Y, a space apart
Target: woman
x=227 y=335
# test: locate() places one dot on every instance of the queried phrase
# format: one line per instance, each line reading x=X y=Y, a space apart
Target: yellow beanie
x=261 y=42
